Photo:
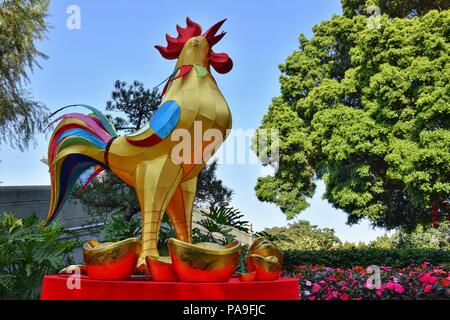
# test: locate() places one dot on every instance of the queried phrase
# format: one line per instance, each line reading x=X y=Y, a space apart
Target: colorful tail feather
x=78 y=143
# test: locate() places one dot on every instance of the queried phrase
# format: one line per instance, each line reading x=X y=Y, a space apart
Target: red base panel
x=57 y=288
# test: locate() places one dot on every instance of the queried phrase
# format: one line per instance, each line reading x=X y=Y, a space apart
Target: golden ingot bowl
x=246 y=277
x=204 y=262
x=161 y=269
x=265 y=259
x=266 y=249
x=266 y=268
x=74 y=269
x=111 y=261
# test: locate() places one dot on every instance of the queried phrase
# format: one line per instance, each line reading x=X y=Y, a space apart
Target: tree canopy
x=301 y=235
x=22 y=22
x=368 y=111
x=393 y=8
x=421 y=238
x=135 y=101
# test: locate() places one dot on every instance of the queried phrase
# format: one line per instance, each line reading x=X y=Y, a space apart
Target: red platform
x=55 y=288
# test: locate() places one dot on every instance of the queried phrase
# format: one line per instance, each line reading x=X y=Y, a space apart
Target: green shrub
x=117 y=228
x=348 y=258
x=28 y=251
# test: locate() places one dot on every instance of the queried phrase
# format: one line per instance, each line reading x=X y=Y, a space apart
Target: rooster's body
x=162 y=160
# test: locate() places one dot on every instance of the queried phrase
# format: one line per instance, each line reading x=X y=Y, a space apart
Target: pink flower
x=433 y=280
x=322 y=283
x=344 y=296
x=389 y=286
x=398 y=288
x=424 y=278
x=428 y=278
x=334 y=294
x=428 y=288
x=315 y=287
x=439 y=271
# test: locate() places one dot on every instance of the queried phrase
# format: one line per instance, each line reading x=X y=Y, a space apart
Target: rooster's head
x=192 y=47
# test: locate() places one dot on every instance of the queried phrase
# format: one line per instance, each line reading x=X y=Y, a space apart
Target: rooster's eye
x=195 y=42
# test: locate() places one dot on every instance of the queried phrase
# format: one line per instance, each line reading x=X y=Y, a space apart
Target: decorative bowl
x=111 y=261
x=246 y=277
x=204 y=262
x=265 y=259
x=161 y=269
x=74 y=269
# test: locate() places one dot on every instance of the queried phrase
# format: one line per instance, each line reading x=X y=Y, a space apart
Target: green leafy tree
x=106 y=194
x=394 y=8
x=22 y=22
x=28 y=251
x=423 y=238
x=210 y=190
x=347 y=245
x=368 y=111
x=135 y=101
x=382 y=242
x=302 y=235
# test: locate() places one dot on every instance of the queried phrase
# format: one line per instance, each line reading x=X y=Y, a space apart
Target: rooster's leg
x=180 y=209
x=156 y=182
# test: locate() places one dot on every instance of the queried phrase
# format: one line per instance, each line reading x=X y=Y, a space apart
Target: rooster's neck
x=192 y=62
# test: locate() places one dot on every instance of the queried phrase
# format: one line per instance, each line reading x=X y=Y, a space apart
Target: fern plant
x=28 y=251
x=117 y=228
x=217 y=224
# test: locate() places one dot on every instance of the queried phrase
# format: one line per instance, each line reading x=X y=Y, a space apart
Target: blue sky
x=116 y=42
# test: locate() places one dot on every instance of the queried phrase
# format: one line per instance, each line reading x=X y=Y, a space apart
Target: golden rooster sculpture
x=151 y=160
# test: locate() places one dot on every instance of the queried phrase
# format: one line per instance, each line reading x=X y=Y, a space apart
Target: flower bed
x=423 y=281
